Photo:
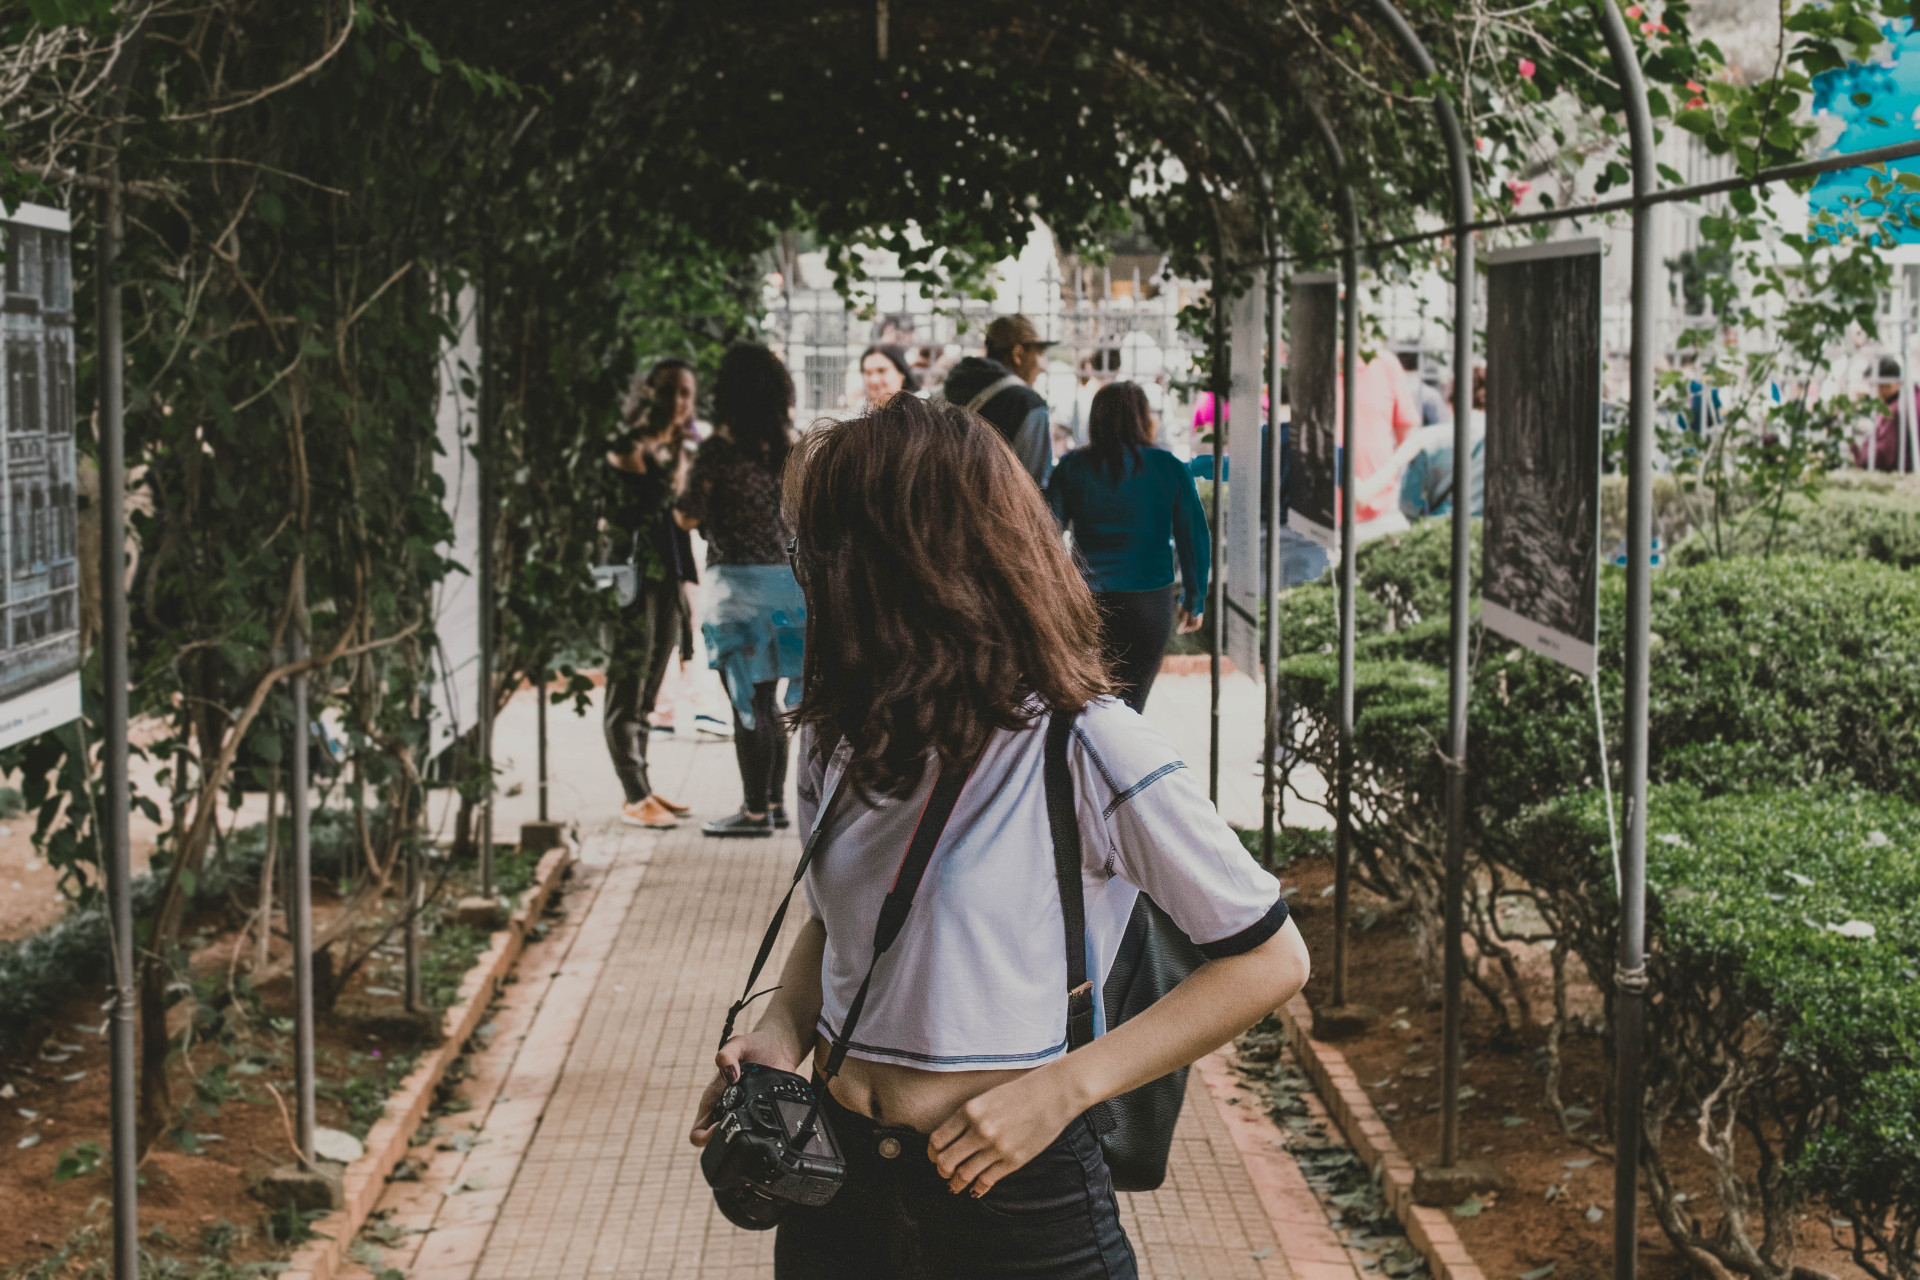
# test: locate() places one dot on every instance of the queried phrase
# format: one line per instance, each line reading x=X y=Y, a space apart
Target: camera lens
x=750 y=1209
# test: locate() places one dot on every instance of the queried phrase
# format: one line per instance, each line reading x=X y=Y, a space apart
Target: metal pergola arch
x=1631 y=978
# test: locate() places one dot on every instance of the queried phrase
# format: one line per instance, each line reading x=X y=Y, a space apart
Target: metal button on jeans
x=889 y=1148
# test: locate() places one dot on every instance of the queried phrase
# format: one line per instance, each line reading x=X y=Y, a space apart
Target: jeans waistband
x=862 y=1138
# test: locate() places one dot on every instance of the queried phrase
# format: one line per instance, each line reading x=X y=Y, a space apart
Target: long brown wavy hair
x=941 y=604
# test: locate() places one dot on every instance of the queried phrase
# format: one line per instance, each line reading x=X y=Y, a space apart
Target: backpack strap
x=1065 y=826
x=993 y=389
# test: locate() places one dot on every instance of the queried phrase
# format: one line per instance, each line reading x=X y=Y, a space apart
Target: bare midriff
x=905 y=1097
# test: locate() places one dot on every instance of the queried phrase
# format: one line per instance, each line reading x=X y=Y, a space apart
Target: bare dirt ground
x=1558 y=1209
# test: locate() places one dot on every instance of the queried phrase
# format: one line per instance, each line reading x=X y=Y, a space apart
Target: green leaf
x=1539 y=1273
x=1696 y=120
x=1469 y=1208
x=78 y=1161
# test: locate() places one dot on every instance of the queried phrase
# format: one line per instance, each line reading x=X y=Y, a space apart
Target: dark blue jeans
x=1052 y=1219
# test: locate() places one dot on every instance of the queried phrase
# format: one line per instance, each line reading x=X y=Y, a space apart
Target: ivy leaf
x=1696 y=120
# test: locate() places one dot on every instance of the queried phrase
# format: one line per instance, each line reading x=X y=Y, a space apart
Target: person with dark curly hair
x=756 y=616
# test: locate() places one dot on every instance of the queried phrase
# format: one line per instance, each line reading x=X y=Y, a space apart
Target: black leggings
x=1054 y=1218
x=643 y=642
x=1134 y=626
x=762 y=751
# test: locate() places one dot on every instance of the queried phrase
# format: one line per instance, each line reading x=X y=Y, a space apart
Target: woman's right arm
x=1057 y=492
x=1193 y=543
x=784 y=1036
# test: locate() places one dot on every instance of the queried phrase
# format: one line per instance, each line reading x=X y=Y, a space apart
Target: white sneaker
x=712 y=726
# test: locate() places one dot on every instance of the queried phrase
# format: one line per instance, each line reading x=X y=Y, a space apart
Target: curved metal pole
x=1270 y=806
x=1630 y=979
x=300 y=886
x=1349 y=576
x=108 y=237
x=1343 y=768
x=1216 y=589
x=1272 y=803
x=1460 y=602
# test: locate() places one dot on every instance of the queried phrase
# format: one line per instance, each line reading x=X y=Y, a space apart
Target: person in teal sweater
x=1132 y=509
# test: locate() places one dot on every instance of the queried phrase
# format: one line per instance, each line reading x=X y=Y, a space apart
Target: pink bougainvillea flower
x=1697 y=88
x=1661 y=27
x=1634 y=11
x=1647 y=28
x=1694 y=104
x=1517 y=189
x=1527 y=68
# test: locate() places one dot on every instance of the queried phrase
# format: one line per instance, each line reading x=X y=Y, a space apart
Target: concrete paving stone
x=591 y=1092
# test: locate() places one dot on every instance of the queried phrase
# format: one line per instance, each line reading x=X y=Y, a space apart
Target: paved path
x=572 y=1160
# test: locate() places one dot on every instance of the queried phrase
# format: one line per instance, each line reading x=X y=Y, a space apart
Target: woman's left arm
x=1003 y=1128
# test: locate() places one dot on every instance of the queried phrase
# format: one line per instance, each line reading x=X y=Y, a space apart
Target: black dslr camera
x=771 y=1148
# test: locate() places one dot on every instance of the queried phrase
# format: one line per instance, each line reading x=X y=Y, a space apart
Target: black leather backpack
x=1136 y=1129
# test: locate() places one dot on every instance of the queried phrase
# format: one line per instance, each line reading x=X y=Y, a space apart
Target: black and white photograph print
x=1313 y=376
x=1540 y=572
x=39 y=529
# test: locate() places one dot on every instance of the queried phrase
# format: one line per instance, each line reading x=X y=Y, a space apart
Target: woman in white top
x=944 y=622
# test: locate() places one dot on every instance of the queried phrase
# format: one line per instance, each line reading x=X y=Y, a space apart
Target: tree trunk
x=156 y=1097
x=262 y=948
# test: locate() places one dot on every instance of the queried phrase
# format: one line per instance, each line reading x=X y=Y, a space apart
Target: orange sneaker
x=648 y=813
x=677 y=810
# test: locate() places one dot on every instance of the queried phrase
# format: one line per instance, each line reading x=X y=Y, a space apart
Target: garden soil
x=30 y=897
x=1506 y=1118
x=185 y=1198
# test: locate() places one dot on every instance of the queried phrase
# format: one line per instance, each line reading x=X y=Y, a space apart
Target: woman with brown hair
x=1132 y=510
x=946 y=628
x=642 y=476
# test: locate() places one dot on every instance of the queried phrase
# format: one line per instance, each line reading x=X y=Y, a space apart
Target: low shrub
x=40 y=973
x=1766 y=674
x=1784 y=1009
x=1839 y=523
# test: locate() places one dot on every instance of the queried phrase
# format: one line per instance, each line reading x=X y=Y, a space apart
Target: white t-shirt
x=977 y=979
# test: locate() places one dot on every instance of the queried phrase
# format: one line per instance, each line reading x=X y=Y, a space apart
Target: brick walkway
x=576 y=1163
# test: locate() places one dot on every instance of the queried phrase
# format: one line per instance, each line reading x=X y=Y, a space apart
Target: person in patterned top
x=756 y=620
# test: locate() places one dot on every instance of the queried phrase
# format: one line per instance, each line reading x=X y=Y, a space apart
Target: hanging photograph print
x=1313 y=346
x=40 y=599
x=1540 y=572
x=1247 y=332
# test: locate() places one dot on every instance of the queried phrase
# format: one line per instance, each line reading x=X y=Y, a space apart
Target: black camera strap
x=807 y=851
x=899 y=900
x=893 y=909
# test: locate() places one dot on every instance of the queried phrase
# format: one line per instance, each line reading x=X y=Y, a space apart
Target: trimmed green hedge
x=1840 y=524
x=1784 y=932
x=1784 y=732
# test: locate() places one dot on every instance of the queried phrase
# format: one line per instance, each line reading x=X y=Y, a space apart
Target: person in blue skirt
x=756 y=619
x=1133 y=511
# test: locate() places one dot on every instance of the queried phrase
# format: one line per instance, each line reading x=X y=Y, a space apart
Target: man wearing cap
x=1000 y=389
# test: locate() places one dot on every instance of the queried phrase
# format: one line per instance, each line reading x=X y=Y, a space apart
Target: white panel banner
x=1247 y=331
x=39 y=530
x=456 y=601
